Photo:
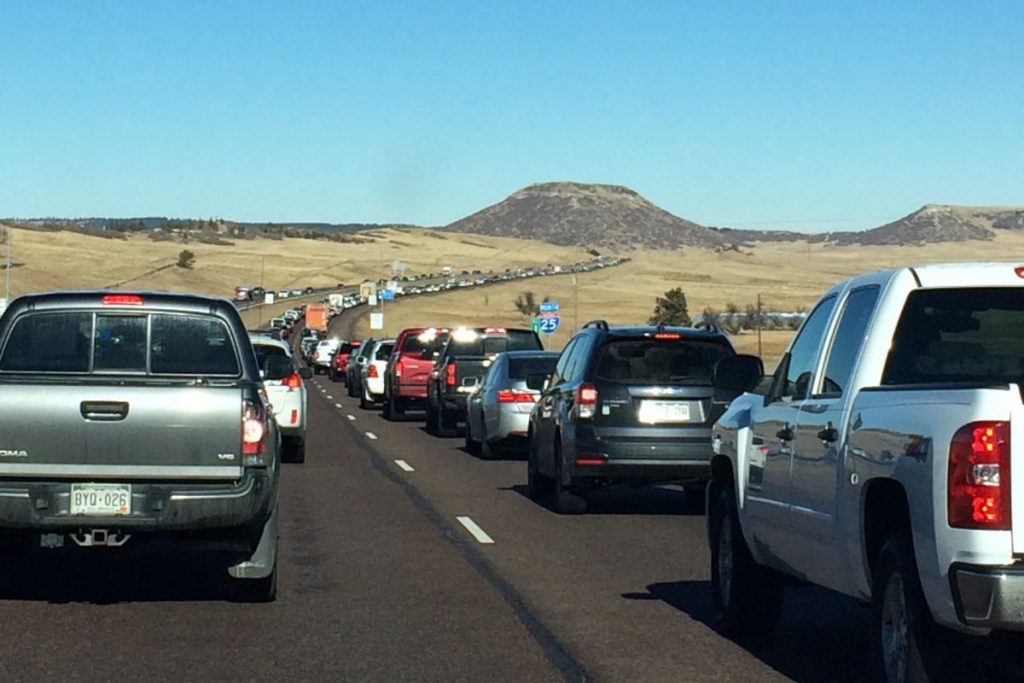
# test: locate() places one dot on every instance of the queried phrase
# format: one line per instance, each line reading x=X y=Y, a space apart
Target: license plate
x=662 y=412
x=101 y=500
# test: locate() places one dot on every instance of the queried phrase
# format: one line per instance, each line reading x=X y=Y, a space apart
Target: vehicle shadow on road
x=628 y=500
x=62 y=577
x=822 y=635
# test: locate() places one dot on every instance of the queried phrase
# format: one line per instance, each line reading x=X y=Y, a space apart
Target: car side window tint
x=805 y=350
x=582 y=359
x=850 y=335
x=563 y=361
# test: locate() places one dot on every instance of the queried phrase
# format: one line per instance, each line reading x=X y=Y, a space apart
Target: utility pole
x=7 y=268
x=575 y=304
x=259 y=305
x=760 y=324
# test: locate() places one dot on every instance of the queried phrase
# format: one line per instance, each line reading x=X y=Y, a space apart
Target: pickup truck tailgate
x=120 y=431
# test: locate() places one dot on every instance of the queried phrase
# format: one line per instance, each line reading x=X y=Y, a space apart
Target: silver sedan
x=498 y=413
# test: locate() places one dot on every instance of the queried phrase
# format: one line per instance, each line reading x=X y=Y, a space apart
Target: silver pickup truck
x=135 y=417
x=879 y=462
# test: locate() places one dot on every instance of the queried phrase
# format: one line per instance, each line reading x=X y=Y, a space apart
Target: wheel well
x=721 y=469
x=886 y=512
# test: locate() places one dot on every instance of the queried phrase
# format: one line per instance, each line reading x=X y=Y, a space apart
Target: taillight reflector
x=512 y=396
x=978 y=488
x=590 y=461
x=122 y=300
x=293 y=381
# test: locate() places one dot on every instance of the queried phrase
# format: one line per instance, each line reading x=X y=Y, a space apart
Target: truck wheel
x=904 y=635
x=386 y=408
x=747 y=598
x=365 y=402
x=488 y=449
x=433 y=421
x=294 y=449
x=563 y=499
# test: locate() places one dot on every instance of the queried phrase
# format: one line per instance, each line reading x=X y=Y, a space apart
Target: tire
x=538 y=486
x=488 y=449
x=433 y=420
x=293 y=449
x=333 y=375
x=447 y=424
x=386 y=408
x=696 y=497
x=746 y=597
x=564 y=500
x=365 y=402
x=393 y=409
x=906 y=641
x=472 y=446
x=350 y=389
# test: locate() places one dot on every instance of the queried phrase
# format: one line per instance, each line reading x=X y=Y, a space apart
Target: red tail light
x=398 y=368
x=254 y=434
x=978 y=492
x=293 y=381
x=122 y=300
x=668 y=336
x=590 y=461
x=512 y=396
x=586 y=401
x=451 y=375
x=371 y=371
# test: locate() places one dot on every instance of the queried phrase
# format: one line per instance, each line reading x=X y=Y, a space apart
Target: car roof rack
x=599 y=324
x=707 y=327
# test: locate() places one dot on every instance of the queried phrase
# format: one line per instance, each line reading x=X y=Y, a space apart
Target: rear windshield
x=383 y=352
x=646 y=361
x=488 y=345
x=959 y=335
x=265 y=351
x=521 y=368
x=157 y=343
x=347 y=348
x=418 y=343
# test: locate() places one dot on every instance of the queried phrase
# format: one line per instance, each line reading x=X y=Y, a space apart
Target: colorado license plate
x=101 y=500
x=661 y=412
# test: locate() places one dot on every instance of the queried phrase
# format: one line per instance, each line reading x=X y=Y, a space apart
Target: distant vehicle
x=342 y=357
x=282 y=294
x=155 y=427
x=409 y=368
x=316 y=317
x=243 y=293
x=372 y=373
x=286 y=391
x=446 y=271
x=353 y=375
x=323 y=354
x=626 y=404
x=308 y=290
x=367 y=289
x=498 y=413
x=460 y=367
x=297 y=292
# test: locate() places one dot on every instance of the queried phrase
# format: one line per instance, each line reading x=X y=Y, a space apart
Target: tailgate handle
x=109 y=411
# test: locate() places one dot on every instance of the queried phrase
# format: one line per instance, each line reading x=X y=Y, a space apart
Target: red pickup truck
x=409 y=368
x=339 y=364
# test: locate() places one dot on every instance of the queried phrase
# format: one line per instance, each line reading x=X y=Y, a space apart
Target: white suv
x=286 y=391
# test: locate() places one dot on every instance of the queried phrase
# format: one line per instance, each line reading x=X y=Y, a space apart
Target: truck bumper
x=243 y=505
x=989 y=597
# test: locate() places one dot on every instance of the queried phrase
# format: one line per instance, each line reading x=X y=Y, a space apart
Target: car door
x=495 y=377
x=768 y=475
x=815 y=471
x=543 y=418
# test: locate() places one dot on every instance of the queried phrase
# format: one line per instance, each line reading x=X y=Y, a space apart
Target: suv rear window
x=157 y=343
x=265 y=351
x=958 y=335
x=521 y=368
x=383 y=352
x=650 y=361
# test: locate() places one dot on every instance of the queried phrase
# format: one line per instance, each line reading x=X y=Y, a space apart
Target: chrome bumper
x=989 y=597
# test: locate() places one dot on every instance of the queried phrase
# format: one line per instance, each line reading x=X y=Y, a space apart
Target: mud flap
x=264 y=559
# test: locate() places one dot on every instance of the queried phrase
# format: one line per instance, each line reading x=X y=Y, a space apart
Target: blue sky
x=802 y=115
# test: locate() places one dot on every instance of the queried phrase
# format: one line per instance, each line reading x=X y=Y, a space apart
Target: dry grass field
x=786 y=275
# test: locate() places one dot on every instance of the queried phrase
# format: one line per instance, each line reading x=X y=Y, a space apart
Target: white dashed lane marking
x=404 y=465
x=352 y=418
x=371 y=436
x=478 y=533
x=337 y=405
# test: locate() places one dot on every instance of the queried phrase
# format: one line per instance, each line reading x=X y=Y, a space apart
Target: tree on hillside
x=527 y=304
x=186 y=259
x=671 y=309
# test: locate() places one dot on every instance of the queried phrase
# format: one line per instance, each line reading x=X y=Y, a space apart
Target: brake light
x=590 y=461
x=451 y=374
x=254 y=434
x=122 y=300
x=398 y=368
x=371 y=372
x=586 y=401
x=668 y=336
x=512 y=396
x=978 y=489
x=293 y=381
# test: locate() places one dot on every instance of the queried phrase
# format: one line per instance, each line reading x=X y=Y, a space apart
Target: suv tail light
x=586 y=401
x=513 y=396
x=293 y=381
x=371 y=371
x=254 y=434
x=978 y=489
x=398 y=368
x=451 y=374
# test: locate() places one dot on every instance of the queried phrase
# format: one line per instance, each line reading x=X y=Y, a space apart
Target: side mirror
x=306 y=373
x=278 y=367
x=736 y=374
x=537 y=381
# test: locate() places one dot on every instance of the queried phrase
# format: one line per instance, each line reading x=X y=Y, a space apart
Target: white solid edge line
x=351 y=417
x=404 y=465
x=478 y=533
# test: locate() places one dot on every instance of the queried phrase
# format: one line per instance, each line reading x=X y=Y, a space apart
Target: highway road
x=405 y=558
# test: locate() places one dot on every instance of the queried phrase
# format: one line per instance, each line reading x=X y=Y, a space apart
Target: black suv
x=626 y=404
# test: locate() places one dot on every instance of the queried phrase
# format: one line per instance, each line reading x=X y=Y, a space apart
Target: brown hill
x=935 y=223
x=577 y=214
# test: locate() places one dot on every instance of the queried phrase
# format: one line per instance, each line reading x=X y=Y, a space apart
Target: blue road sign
x=388 y=295
x=549 y=307
x=549 y=325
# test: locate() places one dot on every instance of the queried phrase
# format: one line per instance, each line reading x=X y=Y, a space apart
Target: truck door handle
x=106 y=411
x=785 y=434
x=829 y=434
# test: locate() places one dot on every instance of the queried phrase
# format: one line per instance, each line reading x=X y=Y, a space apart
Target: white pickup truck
x=879 y=463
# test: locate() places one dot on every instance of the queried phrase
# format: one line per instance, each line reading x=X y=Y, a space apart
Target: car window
x=805 y=350
x=191 y=345
x=383 y=351
x=651 y=361
x=521 y=368
x=849 y=338
x=563 y=361
x=49 y=342
x=265 y=351
x=120 y=343
x=580 y=357
x=958 y=335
